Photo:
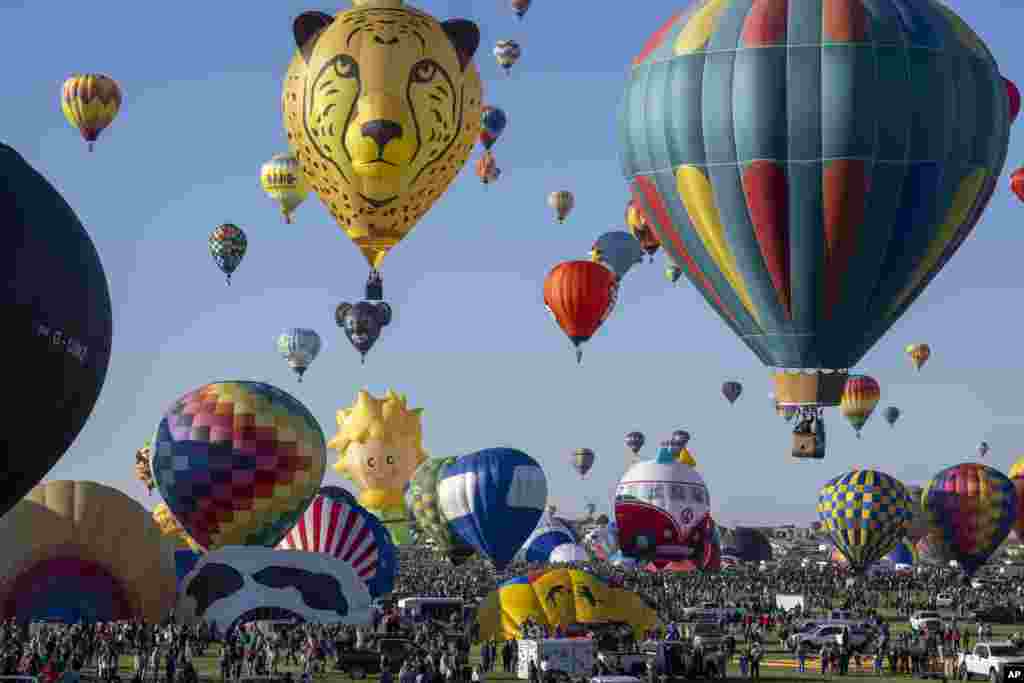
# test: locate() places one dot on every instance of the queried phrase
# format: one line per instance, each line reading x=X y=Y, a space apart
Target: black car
x=993 y=614
x=359 y=664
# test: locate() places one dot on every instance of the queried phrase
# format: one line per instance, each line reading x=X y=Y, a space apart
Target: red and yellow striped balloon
x=919 y=354
x=860 y=397
x=90 y=103
x=1016 y=475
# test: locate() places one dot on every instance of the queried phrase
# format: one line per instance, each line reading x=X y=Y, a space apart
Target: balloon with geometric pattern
x=238 y=463
x=582 y=459
x=865 y=512
x=971 y=509
x=228 y=245
x=422 y=502
x=90 y=103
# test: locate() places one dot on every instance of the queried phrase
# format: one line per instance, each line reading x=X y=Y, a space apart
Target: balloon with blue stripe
x=550 y=533
x=493 y=500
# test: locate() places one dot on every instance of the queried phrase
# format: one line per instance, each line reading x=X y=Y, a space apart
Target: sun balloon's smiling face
x=377 y=464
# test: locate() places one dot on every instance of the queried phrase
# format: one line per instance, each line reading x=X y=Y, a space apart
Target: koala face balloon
x=362 y=323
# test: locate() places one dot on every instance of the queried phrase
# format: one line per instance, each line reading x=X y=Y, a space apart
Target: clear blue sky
x=471 y=341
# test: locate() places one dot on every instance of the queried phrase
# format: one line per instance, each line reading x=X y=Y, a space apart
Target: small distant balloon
x=562 y=202
x=507 y=53
x=618 y=251
x=487 y=168
x=492 y=122
x=283 y=181
x=679 y=440
x=983 y=449
x=582 y=459
x=673 y=273
x=919 y=354
x=228 y=245
x=300 y=347
x=90 y=103
x=1014 y=96
x=892 y=413
x=520 y=7
x=635 y=441
x=860 y=397
x=732 y=391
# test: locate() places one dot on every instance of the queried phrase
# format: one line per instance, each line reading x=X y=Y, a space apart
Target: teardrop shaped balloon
x=300 y=347
x=860 y=397
x=865 y=512
x=673 y=273
x=487 y=168
x=493 y=499
x=1016 y=475
x=732 y=391
x=892 y=415
x=635 y=441
x=228 y=245
x=562 y=202
x=1013 y=96
x=90 y=103
x=520 y=7
x=422 y=500
x=336 y=524
x=919 y=354
x=983 y=449
x=283 y=181
x=492 y=123
x=580 y=295
x=618 y=251
x=507 y=53
x=238 y=463
x=641 y=229
x=679 y=440
x=360 y=110
x=971 y=509
x=582 y=459
x=363 y=323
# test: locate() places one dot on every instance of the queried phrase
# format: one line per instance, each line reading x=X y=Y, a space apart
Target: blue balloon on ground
x=57 y=323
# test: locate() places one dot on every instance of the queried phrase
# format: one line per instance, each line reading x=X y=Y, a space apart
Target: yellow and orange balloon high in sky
x=90 y=103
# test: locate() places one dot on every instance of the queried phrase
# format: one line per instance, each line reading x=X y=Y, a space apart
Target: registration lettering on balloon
x=59 y=337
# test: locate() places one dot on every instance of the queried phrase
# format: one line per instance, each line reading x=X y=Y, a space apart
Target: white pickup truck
x=997 y=661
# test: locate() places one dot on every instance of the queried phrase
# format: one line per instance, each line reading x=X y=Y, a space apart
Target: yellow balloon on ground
x=560 y=597
x=89 y=542
x=90 y=103
x=282 y=179
x=382 y=109
x=380 y=445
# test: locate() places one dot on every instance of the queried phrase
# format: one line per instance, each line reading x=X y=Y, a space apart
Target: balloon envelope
x=549 y=534
x=422 y=499
x=618 y=251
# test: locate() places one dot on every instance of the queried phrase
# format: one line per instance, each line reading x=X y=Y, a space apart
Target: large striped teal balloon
x=812 y=164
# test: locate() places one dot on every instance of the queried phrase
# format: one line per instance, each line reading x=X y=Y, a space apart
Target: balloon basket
x=811 y=389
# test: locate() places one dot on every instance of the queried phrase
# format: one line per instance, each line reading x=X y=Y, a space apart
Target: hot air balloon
x=507 y=53
x=264 y=441
x=582 y=459
x=1013 y=95
x=618 y=251
x=360 y=113
x=57 y=321
x=1016 y=475
x=423 y=501
x=983 y=449
x=335 y=524
x=493 y=499
x=549 y=534
x=679 y=440
x=492 y=123
x=673 y=273
x=732 y=391
x=143 y=472
x=971 y=508
x=228 y=245
x=580 y=295
x=904 y=554
x=892 y=413
x=487 y=168
x=562 y=202
x=1017 y=183
x=600 y=543
x=90 y=103
x=865 y=512
x=299 y=347
x=169 y=526
x=520 y=7
x=919 y=354
x=860 y=397
x=785 y=216
x=363 y=323
x=638 y=227
x=283 y=181
x=634 y=442
x=930 y=550
x=918 y=520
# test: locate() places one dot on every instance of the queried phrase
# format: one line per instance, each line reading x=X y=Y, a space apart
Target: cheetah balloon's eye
x=424 y=71
x=346 y=67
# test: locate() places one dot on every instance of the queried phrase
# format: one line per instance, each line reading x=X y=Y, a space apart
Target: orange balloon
x=580 y=295
x=1017 y=183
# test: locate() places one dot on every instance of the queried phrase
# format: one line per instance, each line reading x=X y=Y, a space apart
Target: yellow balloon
x=284 y=182
x=382 y=109
x=559 y=597
x=169 y=526
x=90 y=103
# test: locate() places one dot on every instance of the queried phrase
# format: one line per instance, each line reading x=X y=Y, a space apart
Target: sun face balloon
x=382 y=109
x=238 y=463
x=756 y=136
x=283 y=181
x=90 y=103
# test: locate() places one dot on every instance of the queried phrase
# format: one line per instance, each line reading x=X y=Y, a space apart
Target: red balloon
x=1014 y=95
x=1017 y=183
x=580 y=295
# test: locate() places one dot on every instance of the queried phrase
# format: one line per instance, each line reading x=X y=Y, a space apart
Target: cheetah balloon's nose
x=382 y=132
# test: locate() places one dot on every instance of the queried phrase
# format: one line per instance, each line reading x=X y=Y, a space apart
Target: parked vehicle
x=925 y=621
x=358 y=664
x=829 y=633
x=707 y=635
x=944 y=600
x=993 y=614
x=993 y=660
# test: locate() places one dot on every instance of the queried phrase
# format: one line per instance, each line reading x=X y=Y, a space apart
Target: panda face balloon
x=658 y=504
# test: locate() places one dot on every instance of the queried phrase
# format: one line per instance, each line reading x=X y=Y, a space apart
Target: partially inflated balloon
x=582 y=459
x=756 y=137
x=422 y=499
x=919 y=354
x=283 y=181
x=618 y=251
x=971 y=509
x=493 y=499
x=57 y=324
x=580 y=295
x=866 y=513
x=90 y=103
x=732 y=391
x=228 y=245
x=860 y=397
x=382 y=109
x=238 y=463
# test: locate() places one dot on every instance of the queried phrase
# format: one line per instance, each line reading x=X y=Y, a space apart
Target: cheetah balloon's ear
x=306 y=28
x=465 y=37
x=339 y=313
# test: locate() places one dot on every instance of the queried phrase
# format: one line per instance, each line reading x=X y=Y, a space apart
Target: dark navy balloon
x=362 y=323
x=57 y=325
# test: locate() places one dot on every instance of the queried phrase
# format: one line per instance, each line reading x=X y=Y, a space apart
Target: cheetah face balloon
x=382 y=109
x=363 y=323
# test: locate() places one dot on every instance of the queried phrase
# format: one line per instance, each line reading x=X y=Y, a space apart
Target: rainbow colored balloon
x=970 y=508
x=866 y=513
x=238 y=463
x=1016 y=475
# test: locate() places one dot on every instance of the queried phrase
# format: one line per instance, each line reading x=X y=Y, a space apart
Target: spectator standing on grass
x=756 y=653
